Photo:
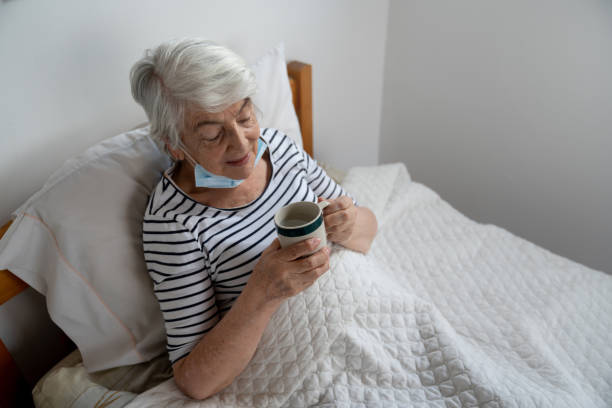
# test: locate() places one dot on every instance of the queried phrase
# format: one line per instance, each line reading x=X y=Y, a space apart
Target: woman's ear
x=177 y=154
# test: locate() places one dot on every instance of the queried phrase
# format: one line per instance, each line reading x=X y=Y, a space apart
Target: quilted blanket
x=442 y=312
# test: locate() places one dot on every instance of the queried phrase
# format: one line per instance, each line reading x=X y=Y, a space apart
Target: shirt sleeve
x=181 y=281
x=321 y=183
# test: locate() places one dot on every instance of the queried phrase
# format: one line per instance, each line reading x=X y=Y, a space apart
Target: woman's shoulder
x=275 y=138
x=281 y=146
x=168 y=202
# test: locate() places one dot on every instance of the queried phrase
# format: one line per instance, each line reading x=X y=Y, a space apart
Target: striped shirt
x=200 y=257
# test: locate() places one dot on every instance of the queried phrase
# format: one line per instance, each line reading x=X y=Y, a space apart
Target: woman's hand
x=284 y=272
x=339 y=217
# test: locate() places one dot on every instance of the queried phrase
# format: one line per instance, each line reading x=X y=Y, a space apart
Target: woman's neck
x=246 y=192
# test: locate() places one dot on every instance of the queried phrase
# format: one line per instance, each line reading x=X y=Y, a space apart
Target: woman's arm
x=225 y=351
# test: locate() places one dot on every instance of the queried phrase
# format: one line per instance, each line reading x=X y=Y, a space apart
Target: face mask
x=204 y=178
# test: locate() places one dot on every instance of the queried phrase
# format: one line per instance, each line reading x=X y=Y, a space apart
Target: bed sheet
x=68 y=384
x=441 y=312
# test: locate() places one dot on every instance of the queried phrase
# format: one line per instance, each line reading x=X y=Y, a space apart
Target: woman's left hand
x=339 y=217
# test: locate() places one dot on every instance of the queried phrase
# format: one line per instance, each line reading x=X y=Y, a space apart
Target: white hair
x=187 y=72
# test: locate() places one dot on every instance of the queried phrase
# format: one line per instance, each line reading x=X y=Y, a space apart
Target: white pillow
x=78 y=239
x=274 y=97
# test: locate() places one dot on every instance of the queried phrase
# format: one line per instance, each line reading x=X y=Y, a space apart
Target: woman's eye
x=212 y=138
x=245 y=120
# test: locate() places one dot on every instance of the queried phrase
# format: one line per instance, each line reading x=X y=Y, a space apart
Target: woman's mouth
x=240 y=162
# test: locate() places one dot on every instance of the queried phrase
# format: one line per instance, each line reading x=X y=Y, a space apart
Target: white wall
x=505 y=109
x=65 y=68
x=64 y=79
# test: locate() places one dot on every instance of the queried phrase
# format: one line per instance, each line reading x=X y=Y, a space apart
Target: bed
x=441 y=312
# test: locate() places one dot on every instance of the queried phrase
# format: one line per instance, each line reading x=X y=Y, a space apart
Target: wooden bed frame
x=14 y=390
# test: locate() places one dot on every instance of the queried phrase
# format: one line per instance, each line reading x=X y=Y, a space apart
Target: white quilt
x=442 y=312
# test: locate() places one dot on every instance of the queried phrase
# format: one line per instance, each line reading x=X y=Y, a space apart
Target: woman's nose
x=238 y=138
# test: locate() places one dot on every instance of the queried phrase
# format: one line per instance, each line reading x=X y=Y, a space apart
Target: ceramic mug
x=300 y=221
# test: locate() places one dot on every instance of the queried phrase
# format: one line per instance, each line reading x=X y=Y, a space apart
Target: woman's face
x=224 y=143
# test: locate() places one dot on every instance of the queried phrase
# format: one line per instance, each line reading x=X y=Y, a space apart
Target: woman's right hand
x=281 y=273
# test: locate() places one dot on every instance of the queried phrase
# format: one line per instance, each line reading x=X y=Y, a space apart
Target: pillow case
x=78 y=240
x=274 y=97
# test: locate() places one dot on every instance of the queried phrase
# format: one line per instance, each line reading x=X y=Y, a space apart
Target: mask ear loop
x=191 y=159
x=257 y=112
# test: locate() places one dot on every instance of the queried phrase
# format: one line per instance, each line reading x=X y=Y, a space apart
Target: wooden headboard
x=300 y=79
x=12 y=383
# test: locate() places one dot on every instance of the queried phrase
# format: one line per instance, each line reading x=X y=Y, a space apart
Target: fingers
x=339 y=211
x=340 y=228
x=313 y=261
x=337 y=204
x=308 y=278
x=298 y=250
x=274 y=246
x=337 y=218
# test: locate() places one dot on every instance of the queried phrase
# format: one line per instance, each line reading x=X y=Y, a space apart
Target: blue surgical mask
x=204 y=178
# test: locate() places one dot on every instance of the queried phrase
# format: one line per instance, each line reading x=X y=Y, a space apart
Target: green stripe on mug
x=300 y=231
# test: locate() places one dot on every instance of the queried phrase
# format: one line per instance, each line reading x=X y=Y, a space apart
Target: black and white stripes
x=200 y=258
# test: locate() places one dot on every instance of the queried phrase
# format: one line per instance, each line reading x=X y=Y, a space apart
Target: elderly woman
x=209 y=241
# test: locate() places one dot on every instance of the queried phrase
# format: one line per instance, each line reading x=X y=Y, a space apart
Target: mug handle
x=323 y=204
